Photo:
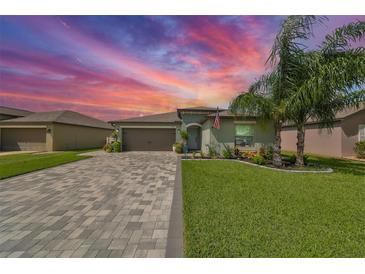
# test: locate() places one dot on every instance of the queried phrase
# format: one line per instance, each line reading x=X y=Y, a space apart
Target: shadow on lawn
x=340 y=165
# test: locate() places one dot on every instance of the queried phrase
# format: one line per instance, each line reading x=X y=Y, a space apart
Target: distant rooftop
x=14 y=111
x=61 y=116
x=168 y=117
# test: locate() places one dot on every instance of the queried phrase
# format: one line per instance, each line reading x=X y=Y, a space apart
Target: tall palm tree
x=330 y=79
x=266 y=105
x=267 y=97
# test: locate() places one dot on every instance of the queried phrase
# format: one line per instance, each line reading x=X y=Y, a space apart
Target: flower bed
x=262 y=158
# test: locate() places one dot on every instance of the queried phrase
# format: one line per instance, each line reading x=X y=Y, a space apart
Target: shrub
x=262 y=151
x=116 y=146
x=178 y=148
x=359 y=148
x=212 y=151
x=269 y=153
x=259 y=160
x=108 y=148
x=115 y=134
x=305 y=158
x=249 y=154
x=184 y=135
x=292 y=158
x=227 y=152
x=237 y=152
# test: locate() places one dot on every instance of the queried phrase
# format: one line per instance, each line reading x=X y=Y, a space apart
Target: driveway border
x=174 y=247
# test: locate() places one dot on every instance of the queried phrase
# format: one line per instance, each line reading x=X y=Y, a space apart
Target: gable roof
x=61 y=116
x=168 y=117
x=14 y=111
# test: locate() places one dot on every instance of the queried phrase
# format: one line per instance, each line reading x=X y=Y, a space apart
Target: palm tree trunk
x=276 y=158
x=300 y=145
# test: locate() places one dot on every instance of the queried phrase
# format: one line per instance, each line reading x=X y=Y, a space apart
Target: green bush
x=178 y=148
x=108 y=148
x=115 y=134
x=292 y=158
x=227 y=152
x=116 y=147
x=212 y=151
x=269 y=153
x=259 y=160
x=184 y=135
x=359 y=148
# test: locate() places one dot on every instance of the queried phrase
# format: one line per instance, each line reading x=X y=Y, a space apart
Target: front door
x=194 y=139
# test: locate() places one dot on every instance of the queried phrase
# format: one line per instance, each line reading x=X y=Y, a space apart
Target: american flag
x=217 y=121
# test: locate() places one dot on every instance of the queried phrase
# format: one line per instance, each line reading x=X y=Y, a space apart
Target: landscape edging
x=328 y=170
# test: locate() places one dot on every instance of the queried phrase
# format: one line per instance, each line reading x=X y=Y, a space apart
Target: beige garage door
x=31 y=139
x=148 y=139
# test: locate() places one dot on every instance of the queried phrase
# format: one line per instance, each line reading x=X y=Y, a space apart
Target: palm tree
x=267 y=97
x=264 y=105
x=330 y=79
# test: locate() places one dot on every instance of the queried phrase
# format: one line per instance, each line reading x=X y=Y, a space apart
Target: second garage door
x=148 y=139
x=33 y=139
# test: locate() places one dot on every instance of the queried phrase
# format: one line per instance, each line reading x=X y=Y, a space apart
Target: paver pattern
x=111 y=205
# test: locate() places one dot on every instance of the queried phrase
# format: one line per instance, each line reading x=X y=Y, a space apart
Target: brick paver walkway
x=112 y=205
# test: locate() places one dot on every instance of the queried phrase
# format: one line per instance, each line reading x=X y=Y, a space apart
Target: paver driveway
x=112 y=205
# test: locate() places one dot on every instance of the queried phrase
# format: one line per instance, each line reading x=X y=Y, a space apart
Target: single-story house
x=11 y=113
x=51 y=131
x=161 y=131
x=348 y=129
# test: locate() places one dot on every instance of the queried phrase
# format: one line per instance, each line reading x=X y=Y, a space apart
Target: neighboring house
x=11 y=113
x=348 y=129
x=54 y=130
x=161 y=131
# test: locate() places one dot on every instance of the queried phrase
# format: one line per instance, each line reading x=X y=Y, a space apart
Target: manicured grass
x=235 y=210
x=12 y=165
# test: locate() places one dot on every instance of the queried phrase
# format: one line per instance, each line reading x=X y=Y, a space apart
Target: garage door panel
x=28 y=139
x=151 y=139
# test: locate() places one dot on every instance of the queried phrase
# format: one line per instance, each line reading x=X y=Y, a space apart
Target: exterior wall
x=206 y=130
x=350 y=132
x=263 y=133
x=192 y=118
x=317 y=140
x=68 y=137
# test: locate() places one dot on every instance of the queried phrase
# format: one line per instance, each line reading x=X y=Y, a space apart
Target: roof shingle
x=61 y=116
x=14 y=111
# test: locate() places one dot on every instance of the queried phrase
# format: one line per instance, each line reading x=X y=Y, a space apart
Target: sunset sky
x=113 y=67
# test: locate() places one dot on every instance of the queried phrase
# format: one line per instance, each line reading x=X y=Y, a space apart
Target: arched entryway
x=195 y=136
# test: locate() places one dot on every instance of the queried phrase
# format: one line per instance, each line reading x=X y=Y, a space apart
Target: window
x=244 y=135
x=361 y=132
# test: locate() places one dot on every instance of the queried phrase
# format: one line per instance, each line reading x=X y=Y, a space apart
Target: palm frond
x=341 y=38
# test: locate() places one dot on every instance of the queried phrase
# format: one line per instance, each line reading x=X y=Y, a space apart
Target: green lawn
x=235 y=210
x=12 y=165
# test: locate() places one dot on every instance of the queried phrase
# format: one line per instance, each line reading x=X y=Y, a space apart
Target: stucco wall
x=68 y=137
x=263 y=133
x=350 y=132
x=317 y=140
x=206 y=135
x=192 y=118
